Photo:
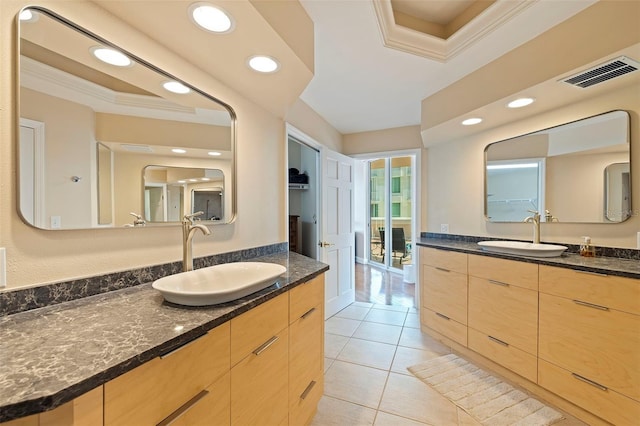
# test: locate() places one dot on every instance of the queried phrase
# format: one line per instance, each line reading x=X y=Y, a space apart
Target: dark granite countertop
x=51 y=355
x=603 y=265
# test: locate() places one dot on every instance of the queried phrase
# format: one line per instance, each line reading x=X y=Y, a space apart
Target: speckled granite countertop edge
x=629 y=268
x=25 y=392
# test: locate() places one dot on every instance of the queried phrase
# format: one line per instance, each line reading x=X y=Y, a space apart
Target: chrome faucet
x=139 y=221
x=535 y=219
x=188 y=229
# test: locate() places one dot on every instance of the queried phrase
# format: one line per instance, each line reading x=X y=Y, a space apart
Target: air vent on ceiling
x=603 y=72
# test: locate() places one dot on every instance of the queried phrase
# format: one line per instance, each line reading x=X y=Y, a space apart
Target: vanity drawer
x=450 y=260
x=610 y=405
x=603 y=345
x=445 y=291
x=149 y=393
x=305 y=297
x=509 y=356
x=520 y=274
x=212 y=407
x=504 y=311
x=255 y=327
x=445 y=326
x=605 y=290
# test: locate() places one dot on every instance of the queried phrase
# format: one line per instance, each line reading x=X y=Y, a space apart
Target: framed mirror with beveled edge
x=578 y=172
x=95 y=137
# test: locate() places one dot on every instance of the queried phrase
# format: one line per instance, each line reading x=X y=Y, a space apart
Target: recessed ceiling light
x=179 y=150
x=471 y=121
x=182 y=181
x=265 y=64
x=193 y=180
x=521 y=102
x=111 y=56
x=211 y=18
x=176 y=87
x=205 y=179
x=214 y=153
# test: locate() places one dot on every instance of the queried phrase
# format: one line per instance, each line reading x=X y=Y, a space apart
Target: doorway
x=391 y=194
x=303 y=198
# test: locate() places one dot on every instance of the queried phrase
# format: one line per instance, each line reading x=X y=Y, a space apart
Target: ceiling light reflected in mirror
x=111 y=56
x=176 y=87
x=472 y=121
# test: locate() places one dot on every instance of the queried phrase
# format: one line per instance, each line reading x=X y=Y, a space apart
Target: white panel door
x=31 y=172
x=337 y=244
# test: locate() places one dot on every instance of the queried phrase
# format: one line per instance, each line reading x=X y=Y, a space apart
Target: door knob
x=325 y=244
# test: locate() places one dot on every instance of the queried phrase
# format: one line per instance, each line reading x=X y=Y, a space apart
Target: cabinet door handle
x=442 y=316
x=179 y=348
x=498 y=341
x=590 y=382
x=590 y=305
x=308 y=389
x=309 y=312
x=600 y=274
x=265 y=345
x=442 y=269
x=183 y=409
x=498 y=283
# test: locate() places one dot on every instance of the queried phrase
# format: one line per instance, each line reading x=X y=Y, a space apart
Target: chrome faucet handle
x=190 y=217
x=139 y=220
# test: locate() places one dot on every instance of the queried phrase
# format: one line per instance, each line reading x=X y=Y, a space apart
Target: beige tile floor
x=367 y=350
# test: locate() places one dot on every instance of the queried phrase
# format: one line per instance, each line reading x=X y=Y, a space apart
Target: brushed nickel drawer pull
x=590 y=382
x=498 y=341
x=498 y=283
x=265 y=345
x=443 y=316
x=183 y=409
x=179 y=348
x=590 y=305
x=309 y=312
x=600 y=274
x=308 y=389
x=442 y=269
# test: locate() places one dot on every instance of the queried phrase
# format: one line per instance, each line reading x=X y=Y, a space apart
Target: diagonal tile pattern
x=367 y=349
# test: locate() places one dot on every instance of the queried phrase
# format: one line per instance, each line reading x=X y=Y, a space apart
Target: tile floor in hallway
x=367 y=350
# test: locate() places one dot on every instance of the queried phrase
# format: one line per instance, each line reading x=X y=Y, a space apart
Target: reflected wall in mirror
x=578 y=172
x=165 y=189
x=88 y=129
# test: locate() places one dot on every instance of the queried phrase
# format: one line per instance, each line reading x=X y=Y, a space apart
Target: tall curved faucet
x=535 y=219
x=188 y=229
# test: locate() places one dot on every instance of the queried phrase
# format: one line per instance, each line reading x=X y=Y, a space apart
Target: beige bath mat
x=483 y=396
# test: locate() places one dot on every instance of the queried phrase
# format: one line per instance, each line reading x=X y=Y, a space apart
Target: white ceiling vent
x=603 y=72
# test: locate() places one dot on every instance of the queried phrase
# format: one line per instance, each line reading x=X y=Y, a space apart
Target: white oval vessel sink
x=523 y=248
x=218 y=283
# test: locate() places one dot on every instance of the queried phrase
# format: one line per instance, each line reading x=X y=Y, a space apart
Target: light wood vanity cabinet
x=444 y=292
x=259 y=358
x=589 y=341
x=503 y=312
x=169 y=386
x=306 y=350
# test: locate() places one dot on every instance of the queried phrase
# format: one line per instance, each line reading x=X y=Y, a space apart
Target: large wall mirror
x=578 y=172
x=114 y=145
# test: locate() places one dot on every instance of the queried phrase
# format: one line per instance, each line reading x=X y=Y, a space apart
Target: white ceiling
x=360 y=85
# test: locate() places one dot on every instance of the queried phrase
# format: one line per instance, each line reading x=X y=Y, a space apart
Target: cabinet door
x=445 y=292
x=85 y=410
x=212 y=407
x=153 y=391
x=504 y=311
x=306 y=360
x=259 y=384
x=596 y=342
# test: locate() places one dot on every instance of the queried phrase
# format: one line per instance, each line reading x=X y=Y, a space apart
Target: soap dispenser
x=586 y=248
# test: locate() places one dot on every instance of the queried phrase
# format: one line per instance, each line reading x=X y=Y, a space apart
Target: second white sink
x=218 y=283
x=523 y=248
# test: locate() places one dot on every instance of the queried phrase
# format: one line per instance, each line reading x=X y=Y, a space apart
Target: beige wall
x=69 y=151
x=305 y=119
x=454 y=179
x=36 y=256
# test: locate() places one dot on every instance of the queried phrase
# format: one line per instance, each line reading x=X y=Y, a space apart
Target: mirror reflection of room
x=574 y=173
x=88 y=129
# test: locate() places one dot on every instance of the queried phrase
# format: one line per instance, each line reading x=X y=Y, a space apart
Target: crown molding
x=418 y=43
